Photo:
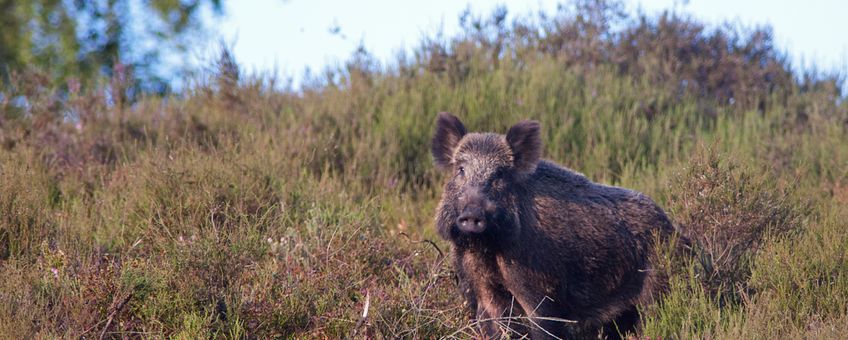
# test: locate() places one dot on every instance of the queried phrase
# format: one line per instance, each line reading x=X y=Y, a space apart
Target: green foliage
x=241 y=210
x=741 y=209
x=85 y=40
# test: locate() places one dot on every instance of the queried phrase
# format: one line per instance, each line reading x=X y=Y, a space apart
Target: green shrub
x=727 y=210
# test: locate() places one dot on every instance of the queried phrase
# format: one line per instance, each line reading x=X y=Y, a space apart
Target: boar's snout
x=472 y=218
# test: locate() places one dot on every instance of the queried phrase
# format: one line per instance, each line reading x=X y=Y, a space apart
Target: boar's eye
x=460 y=171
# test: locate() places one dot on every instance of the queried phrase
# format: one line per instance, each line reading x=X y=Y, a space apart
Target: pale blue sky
x=286 y=36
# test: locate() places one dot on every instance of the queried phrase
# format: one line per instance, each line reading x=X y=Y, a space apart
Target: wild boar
x=534 y=239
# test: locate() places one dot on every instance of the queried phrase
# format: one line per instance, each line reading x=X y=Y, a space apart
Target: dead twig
x=363 y=317
x=441 y=254
x=115 y=312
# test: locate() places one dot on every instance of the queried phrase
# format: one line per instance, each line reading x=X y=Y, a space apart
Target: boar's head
x=485 y=173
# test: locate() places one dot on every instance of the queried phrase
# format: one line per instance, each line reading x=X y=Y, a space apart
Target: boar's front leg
x=498 y=314
x=546 y=318
x=496 y=311
x=466 y=289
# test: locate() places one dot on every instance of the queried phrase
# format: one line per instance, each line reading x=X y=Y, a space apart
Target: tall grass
x=237 y=209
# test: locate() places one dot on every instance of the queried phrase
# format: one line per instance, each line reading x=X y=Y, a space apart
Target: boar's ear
x=526 y=145
x=449 y=130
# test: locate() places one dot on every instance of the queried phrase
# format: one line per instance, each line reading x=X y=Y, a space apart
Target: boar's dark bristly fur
x=536 y=240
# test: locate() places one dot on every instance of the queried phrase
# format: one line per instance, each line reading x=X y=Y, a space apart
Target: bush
x=727 y=210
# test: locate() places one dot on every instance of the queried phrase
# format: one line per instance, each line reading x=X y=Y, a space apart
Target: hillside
x=240 y=209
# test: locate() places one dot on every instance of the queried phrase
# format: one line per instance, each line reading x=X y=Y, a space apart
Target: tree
x=86 y=39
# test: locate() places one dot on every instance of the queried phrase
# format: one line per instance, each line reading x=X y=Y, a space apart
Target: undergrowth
x=239 y=209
